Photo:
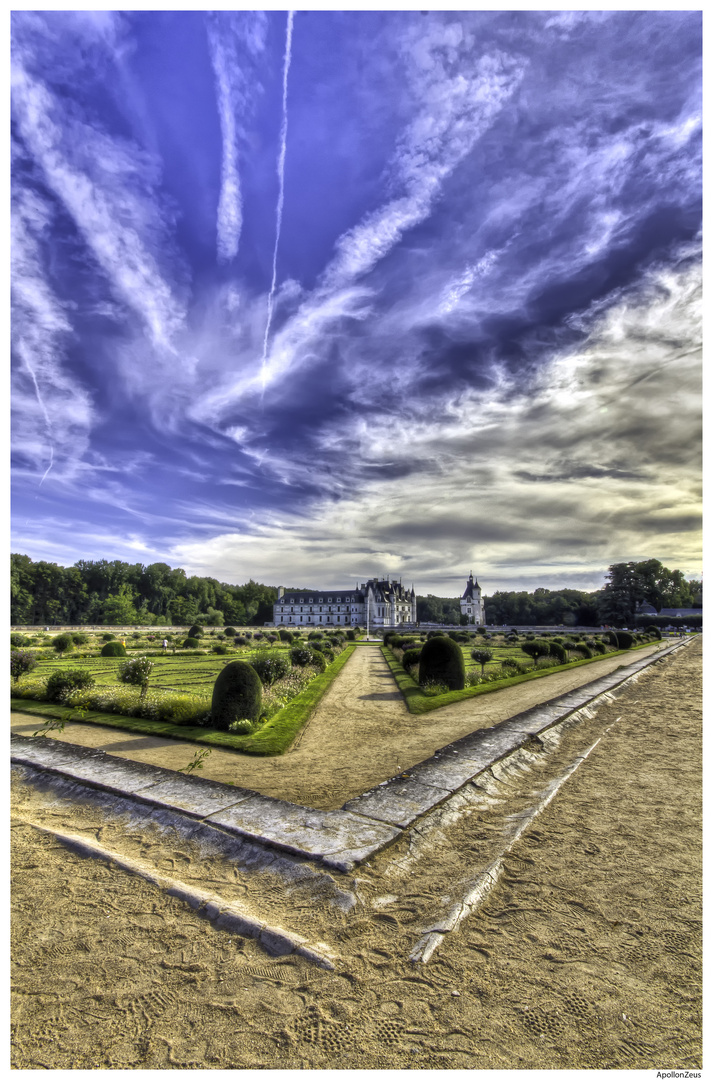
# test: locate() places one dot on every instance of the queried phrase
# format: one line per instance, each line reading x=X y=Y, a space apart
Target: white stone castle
x=376 y=604
x=471 y=603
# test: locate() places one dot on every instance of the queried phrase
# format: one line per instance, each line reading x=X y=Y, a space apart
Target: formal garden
x=441 y=667
x=253 y=690
x=240 y=688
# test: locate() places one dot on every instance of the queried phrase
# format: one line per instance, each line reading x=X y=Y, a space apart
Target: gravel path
x=360 y=733
x=586 y=955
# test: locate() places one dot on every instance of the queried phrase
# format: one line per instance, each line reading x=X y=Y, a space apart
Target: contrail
x=281 y=196
x=48 y=423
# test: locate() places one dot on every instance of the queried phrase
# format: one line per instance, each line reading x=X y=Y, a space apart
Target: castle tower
x=471 y=603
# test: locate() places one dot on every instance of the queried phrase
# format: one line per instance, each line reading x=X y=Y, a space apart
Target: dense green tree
x=118 y=608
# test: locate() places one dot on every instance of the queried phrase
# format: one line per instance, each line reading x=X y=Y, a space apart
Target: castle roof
x=470 y=588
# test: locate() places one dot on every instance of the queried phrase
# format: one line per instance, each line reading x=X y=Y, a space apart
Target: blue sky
x=310 y=298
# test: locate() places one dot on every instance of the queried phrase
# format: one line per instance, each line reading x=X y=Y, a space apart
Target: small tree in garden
x=481 y=656
x=536 y=649
x=136 y=672
x=21 y=663
x=63 y=643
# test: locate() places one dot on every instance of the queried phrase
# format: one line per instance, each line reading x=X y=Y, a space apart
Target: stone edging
x=339 y=839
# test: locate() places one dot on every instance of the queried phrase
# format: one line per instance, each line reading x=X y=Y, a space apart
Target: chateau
x=471 y=603
x=377 y=604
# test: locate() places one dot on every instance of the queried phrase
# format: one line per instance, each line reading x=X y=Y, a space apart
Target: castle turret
x=471 y=603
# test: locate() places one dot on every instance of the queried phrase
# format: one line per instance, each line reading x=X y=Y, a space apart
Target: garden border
x=339 y=839
x=418 y=704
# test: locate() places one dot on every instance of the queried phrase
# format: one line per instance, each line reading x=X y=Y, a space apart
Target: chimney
x=280 y=592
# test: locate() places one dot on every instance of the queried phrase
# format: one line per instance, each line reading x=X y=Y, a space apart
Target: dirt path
x=360 y=733
x=587 y=954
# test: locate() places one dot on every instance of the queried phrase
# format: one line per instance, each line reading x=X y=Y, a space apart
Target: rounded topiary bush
x=270 y=666
x=191 y=643
x=285 y=635
x=442 y=662
x=411 y=658
x=435 y=633
x=80 y=638
x=221 y=650
x=600 y=647
x=558 y=651
x=230 y=631
x=18 y=640
x=239 y=639
x=237 y=695
x=60 y=683
x=108 y=637
x=301 y=655
x=318 y=660
x=654 y=631
x=195 y=631
x=351 y=635
x=113 y=648
x=624 y=639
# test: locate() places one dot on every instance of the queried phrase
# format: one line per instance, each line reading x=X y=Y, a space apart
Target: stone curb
x=223 y=914
x=339 y=839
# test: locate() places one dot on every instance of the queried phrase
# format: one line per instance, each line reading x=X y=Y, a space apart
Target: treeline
x=627 y=585
x=131 y=594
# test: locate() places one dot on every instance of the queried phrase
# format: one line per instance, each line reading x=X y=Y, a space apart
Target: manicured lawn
x=273 y=737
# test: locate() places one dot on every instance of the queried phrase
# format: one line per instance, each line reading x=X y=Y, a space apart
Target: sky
x=315 y=297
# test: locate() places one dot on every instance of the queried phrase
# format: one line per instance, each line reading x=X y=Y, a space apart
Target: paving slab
x=337 y=838
x=399 y=802
x=195 y=795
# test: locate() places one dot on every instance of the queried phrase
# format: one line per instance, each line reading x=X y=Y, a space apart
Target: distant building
x=377 y=604
x=645 y=608
x=471 y=603
x=680 y=612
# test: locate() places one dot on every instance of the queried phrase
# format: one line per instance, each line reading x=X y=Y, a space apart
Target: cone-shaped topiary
x=237 y=695
x=442 y=661
x=195 y=632
x=113 y=648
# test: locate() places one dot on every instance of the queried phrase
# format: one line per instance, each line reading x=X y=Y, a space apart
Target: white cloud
x=539 y=480
x=98 y=181
x=233 y=39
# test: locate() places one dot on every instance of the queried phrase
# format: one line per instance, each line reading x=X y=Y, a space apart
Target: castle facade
x=376 y=604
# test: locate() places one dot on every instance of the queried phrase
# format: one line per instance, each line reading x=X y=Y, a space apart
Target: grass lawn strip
x=418 y=703
x=273 y=738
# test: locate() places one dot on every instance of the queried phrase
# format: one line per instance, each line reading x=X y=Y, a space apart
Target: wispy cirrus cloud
x=102 y=183
x=236 y=41
x=52 y=412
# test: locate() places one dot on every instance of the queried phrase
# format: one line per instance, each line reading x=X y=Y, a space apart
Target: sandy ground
x=586 y=955
x=360 y=733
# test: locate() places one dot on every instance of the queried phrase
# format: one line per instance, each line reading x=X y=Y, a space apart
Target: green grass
x=179 y=673
x=419 y=703
x=274 y=737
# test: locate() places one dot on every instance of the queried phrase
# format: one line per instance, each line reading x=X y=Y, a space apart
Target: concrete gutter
x=338 y=839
